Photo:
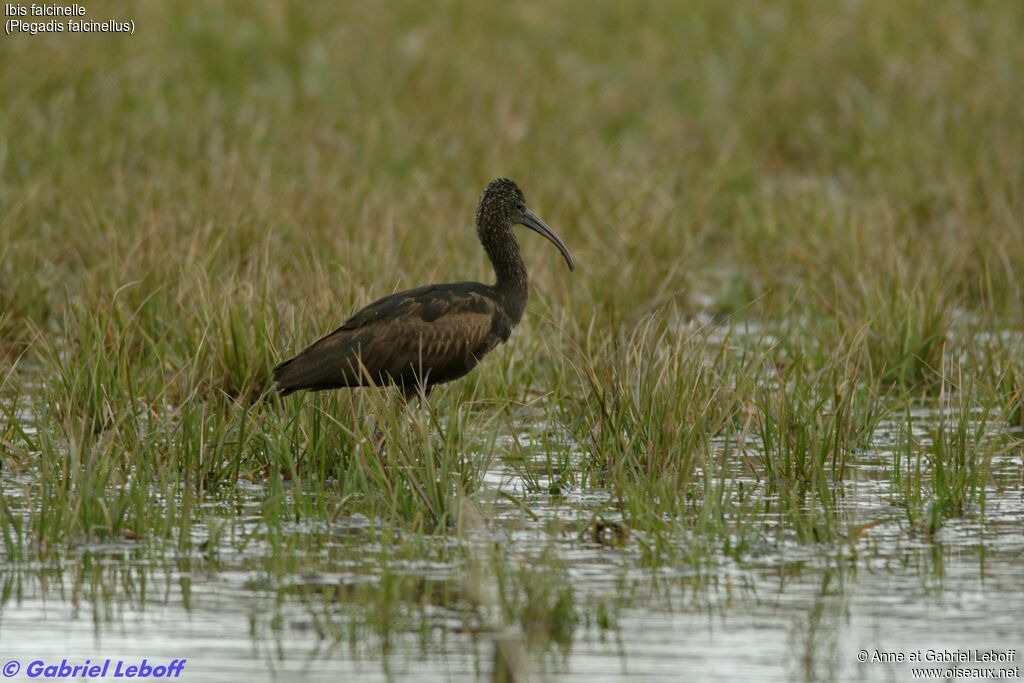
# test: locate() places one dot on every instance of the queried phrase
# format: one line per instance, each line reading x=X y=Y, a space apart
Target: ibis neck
x=503 y=250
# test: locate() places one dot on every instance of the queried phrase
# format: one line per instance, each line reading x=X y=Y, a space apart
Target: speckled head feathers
x=501 y=205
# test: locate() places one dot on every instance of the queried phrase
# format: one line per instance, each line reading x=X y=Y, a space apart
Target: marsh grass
x=933 y=483
x=906 y=321
x=945 y=471
x=408 y=463
x=811 y=422
x=650 y=401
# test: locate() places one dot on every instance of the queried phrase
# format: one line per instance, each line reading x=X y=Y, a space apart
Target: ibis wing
x=436 y=333
x=439 y=350
x=396 y=306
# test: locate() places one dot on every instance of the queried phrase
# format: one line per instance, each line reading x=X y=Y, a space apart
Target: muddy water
x=788 y=611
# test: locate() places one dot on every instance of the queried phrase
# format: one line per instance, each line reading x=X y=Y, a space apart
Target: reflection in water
x=557 y=584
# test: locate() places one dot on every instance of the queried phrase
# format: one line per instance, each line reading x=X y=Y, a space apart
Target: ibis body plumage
x=426 y=336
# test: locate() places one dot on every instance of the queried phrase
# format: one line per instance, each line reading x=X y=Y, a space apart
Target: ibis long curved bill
x=533 y=222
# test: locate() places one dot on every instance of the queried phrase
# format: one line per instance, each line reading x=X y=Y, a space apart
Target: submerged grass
x=810 y=424
x=945 y=470
x=651 y=401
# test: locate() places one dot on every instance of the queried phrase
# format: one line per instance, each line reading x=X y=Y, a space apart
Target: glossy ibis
x=434 y=334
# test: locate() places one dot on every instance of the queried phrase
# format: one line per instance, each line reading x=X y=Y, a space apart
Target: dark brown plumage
x=434 y=334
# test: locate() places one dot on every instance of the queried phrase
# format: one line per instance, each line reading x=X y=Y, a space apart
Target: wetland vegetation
x=774 y=417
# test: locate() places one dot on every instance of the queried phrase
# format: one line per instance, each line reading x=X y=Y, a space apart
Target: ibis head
x=503 y=205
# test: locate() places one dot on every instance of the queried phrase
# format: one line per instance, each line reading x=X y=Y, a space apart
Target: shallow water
x=787 y=611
